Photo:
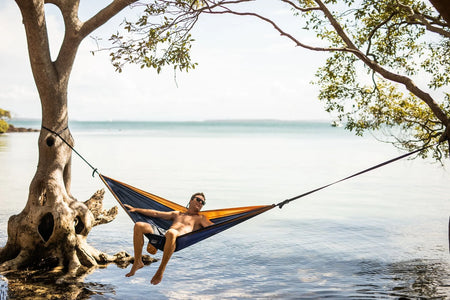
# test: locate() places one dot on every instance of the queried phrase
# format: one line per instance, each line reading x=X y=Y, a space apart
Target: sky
x=246 y=70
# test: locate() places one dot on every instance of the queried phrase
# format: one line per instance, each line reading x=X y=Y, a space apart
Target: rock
x=12 y=128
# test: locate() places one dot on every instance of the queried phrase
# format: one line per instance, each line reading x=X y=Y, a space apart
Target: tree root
x=95 y=205
x=52 y=242
x=15 y=263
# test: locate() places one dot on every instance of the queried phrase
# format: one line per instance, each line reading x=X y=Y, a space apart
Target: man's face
x=198 y=202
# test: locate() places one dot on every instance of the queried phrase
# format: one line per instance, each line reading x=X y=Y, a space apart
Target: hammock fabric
x=222 y=218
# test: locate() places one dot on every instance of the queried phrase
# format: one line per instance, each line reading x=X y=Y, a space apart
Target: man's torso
x=185 y=223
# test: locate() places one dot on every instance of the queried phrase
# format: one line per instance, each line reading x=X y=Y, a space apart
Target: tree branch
x=300 y=8
x=76 y=31
x=277 y=28
x=71 y=41
x=442 y=7
x=103 y=16
x=423 y=20
x=33 y=18
x=373 y=31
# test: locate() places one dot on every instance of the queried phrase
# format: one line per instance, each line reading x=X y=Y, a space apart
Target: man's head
x=198 y=200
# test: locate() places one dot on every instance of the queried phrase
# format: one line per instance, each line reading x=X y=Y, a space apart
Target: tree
x=381 y=52
x=52 y=228
x=396 y=42
x=4 y=115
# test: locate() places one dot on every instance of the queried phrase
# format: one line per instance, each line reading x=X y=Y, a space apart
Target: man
x=181 y=223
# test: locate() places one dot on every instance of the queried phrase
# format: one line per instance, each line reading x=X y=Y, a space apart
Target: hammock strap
x=71 y=147
x=281 y=204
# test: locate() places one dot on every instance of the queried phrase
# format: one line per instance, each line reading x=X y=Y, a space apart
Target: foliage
x=4 y=114
x=3 y=126
x=155 y=39
x=407 y=39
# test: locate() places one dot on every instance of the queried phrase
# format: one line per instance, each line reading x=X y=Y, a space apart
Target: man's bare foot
x=136 y=266
x=156 y=278
x=151 y=249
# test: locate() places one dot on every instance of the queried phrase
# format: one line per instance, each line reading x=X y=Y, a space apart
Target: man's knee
x=143 y=227
x=171 y=233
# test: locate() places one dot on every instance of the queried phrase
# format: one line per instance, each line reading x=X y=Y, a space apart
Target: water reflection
x=428 y=279
x=29 y=286
x=3 y=288
x=421 y=278
x=3 y=143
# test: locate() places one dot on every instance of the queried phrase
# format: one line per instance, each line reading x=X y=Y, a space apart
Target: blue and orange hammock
x=222 y=218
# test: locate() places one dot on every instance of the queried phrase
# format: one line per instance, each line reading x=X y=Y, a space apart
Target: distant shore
x=12 y=128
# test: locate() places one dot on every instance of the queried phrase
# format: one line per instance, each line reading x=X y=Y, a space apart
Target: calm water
x=380 y=235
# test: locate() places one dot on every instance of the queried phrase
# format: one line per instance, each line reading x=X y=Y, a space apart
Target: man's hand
x=130 y=208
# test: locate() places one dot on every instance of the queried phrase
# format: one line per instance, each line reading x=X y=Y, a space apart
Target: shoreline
x=12 y=128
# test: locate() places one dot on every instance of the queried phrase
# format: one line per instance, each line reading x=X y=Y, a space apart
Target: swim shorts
x=158 y=230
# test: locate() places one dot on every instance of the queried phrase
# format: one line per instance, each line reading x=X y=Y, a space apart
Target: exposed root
x=86 y=258
x=51 y=242
x=122 y=257
x=95 y=205
x=15 y=263
x=57 y=269
x=107 y=216
x=74 y=263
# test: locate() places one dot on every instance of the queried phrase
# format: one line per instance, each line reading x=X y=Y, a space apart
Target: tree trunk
x=53 y=227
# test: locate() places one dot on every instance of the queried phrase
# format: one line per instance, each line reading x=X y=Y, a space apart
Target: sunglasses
x=200 y=200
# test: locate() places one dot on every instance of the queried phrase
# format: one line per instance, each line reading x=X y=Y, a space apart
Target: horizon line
x=185 y=121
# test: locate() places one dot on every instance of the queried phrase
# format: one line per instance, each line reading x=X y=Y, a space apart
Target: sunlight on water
x=3 y=288
x=379 y=235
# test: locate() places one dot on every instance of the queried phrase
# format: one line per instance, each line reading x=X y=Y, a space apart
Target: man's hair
x=198 y=194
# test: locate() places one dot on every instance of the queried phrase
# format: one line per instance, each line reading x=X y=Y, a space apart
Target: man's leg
x=169 y=248
x=138 y=242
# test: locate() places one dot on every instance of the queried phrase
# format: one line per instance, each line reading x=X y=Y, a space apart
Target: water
x=380 y=235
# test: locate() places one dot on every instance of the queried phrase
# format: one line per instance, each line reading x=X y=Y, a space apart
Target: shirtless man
x=182 y=223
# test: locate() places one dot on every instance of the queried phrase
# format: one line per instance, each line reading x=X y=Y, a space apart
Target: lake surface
x=383 y=234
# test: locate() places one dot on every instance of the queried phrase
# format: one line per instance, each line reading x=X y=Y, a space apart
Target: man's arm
x=167 y=215
x=205 y=222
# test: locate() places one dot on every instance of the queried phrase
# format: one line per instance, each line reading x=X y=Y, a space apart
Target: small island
x=5 y=127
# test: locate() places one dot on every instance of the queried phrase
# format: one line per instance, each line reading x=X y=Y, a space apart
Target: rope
x=281 y=204
x=71 y=147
